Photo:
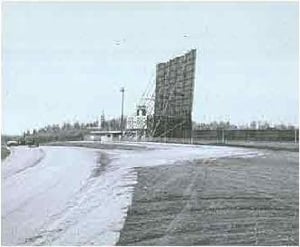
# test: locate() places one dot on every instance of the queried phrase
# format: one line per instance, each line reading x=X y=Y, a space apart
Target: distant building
x=139 y=121
x=103 y=136
x=136 y=126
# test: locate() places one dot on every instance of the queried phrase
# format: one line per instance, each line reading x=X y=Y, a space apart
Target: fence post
x=223 y=136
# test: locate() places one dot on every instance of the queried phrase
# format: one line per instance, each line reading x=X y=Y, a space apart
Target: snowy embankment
x=80 y=196
x=28 y=158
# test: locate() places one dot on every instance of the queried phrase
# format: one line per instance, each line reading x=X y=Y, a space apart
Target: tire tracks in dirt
x=192 y=198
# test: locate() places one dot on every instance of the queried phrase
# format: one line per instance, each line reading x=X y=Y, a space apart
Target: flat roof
x=103 y=132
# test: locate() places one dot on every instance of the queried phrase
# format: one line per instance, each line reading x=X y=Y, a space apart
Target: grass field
x=228 y=201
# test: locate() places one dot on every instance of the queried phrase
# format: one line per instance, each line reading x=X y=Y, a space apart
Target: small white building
x=103 y=135
x=137 y=125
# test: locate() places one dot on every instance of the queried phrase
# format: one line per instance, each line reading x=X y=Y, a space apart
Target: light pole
x=122 y=109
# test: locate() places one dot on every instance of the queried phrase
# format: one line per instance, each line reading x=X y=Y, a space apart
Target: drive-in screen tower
x=174 y=97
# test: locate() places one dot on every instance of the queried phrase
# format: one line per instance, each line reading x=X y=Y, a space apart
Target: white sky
x=61 y=62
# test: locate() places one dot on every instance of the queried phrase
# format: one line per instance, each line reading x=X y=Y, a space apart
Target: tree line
x=76 y=131
x=70 y=131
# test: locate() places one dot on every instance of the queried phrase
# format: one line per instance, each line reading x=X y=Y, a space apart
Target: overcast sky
x=67 y=61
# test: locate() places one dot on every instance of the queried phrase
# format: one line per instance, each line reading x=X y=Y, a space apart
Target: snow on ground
x=170 y=153
x=80 y=196
x=26 y=159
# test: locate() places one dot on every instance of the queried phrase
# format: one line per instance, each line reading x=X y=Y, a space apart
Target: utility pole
x=122 y=110
x=165 y=124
